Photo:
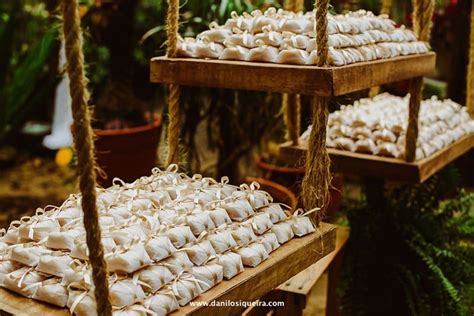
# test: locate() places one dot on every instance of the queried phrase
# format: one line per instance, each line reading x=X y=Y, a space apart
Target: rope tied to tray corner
x=470 y=69
x=291 y=103
x=84 y=146
x=174 y=124
x=317 y=179
x=422 y=14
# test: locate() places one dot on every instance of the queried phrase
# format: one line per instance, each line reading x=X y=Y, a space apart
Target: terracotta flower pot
x=291 y=178
x=277 y=191
x=127 y=153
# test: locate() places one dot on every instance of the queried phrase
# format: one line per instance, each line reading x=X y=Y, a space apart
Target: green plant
x=23 y=66
x=414 y=253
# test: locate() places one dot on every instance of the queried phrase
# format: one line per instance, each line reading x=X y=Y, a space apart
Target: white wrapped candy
x=200 y=252
x=28 y=254
x=80 y=250
x=234 y=53
x=260 y=223
x=12 y=235
x=38 y=226
x=63 y=239
x=81 y=302
x=253 y=254
x=231 y=264
x=238 y=208
x=6 y=267
x=178 y=262
x=154 y=277
x=283 y=232
x=162 y=302
x=269 y=241
x=219 y=216
x=180 y=235
x=256 y=197
x=301 y=225
x=125 y=292
x=200 y=222
x=243 y=234
x=23 y=281
x=52 y=291
x=275 y=212
x=159 y=247
x=210 y=274
x=68 y=214
x=186 y=287
x=54 y=263
x=128 y=259
x=125 y=235
x=222 y=241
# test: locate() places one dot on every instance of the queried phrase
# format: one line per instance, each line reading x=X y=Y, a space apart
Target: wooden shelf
x=383 y=167
x=248 y=285
x=309 y=80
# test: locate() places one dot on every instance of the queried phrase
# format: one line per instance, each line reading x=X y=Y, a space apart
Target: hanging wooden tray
x=285 y=262
x=309 y=80
x=383 y=167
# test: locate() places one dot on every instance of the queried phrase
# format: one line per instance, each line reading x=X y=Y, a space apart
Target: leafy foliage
x=415 y=255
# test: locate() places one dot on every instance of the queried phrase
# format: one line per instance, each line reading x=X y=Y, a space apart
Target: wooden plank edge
x=16 y=304
x=253 y=283
x=296 y=287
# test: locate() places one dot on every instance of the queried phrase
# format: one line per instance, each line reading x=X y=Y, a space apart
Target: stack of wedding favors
x=167 y=238
x=278 y=36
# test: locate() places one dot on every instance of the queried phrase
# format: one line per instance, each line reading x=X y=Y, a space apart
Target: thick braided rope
x=172 y=24
x=386 y=7
x=84 y=146
x=470 y=69
x=291 y=104
x=317 y=179
x=422 y=14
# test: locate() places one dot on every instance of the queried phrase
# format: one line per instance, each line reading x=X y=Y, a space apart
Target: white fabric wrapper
x=128 y=261
x=80 y=275
x=68 y=214
x=180 y=236
x=301 y=225
x=200 y=252
x=125 y=292
x=178 y=262
x=253 y=254
x=199 y=222
x=211 y=274
x=52 y=291
x=12 y=235
x=269 y=241
x=275 y=212
x=159 y=248
x=162 y=302
x=28 y=254
x=23 y=281
x=63 y=239
x=243 y=234
x=155 y=277
x=38 y=228
x=80 y=250
x=54 y=263
x=260 y=223
x=6 y=267
x=231 y=264
x=186 y=288
x=219 y=216
x=239 y=209
x=124 y=236
x=222 y=241
x=85 y=305
x=283 y=232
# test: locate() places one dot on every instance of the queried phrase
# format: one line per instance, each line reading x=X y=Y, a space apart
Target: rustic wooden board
x=285 y=262
x=383 y=167
x=309 y=80
x=303 y=282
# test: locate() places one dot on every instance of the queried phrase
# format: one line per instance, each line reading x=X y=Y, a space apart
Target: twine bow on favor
x=23 y=276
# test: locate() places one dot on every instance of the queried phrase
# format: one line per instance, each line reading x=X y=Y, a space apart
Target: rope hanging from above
x=291 y=103
x=422 y=14
x=84 y=146
x=317 y=179
x=174 y=124
x=470 y=69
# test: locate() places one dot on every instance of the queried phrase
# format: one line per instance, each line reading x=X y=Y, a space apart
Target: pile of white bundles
x=284 y=37
x=167 y=238
x=378 y=126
